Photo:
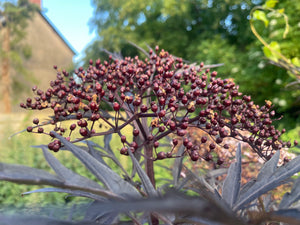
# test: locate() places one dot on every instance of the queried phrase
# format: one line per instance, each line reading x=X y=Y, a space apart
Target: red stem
x=149 y=163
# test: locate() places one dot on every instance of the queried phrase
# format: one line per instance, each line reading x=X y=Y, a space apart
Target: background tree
x=213 y=31
x=13 y=21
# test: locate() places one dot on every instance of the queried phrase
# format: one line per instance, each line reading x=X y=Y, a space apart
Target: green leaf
x=270 y=3
x=271 y=54
x=296 y=61
x=260 y=15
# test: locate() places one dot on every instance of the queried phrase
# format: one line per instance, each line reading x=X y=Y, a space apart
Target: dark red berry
x=83 y=132
x=161 y=155
x=144 y=108
x=50 y=145
x=56 y=147
x=194 y=156
x=36 y=121
x=175 y=141
x=208 y=157
x=29 y=129
x=116 y=106
x=123 y=138
x=154 y=108
x=72 y=126
x=220 y=161
x=203 y=139
x=135 y=132
x=124 y=151
x=162 y=113
x=181 y=132
x=40 y=130
x=185 y=141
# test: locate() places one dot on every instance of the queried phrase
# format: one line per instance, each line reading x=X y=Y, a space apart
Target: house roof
x=58 y=32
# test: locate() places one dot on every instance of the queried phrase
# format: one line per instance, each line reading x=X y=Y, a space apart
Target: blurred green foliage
x=212 y=31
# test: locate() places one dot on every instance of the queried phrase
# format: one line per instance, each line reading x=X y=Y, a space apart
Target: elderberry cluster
x=158 y=96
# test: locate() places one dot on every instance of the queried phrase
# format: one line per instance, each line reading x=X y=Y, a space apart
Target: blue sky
x=71 y=18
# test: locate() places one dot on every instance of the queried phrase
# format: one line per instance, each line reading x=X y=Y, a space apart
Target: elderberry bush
x=160 y=96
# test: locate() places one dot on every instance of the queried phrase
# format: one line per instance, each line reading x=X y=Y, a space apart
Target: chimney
x=37 y=2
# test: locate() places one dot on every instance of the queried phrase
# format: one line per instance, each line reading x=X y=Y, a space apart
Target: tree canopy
x=212 y=31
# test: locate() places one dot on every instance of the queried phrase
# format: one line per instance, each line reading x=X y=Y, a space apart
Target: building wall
x=48 y=49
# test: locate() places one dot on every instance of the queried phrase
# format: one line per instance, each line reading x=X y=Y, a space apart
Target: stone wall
x=48 y=48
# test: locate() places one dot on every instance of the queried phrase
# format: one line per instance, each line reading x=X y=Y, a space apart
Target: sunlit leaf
x=260 y=15
x=296 y=61
x=270 y=3
x=272 y=53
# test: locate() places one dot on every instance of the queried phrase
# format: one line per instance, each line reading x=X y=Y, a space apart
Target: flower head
x=174 y=95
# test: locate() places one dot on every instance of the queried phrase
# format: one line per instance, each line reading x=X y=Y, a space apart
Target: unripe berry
x=135 y=132
x=189 y=145
x=124 y=151
x=172 y=125
x=175 y=141
x=134 y=145
x=154 y=108
x=123 y=138
x=162 y=113
x=219 y=140
x=220 y=161
x=56 y=147
x=79 y=115
x=203 y=139
x=212 y=146
x=144 y=108
x=181 y=132
x=161 y=155
x=29 y=129
x=83 y=132
x=208 y=157
x=36 y=121
x=185 y=141
x=162 y=128
x=194 y=155
x=50 y=145
x=116 y=106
